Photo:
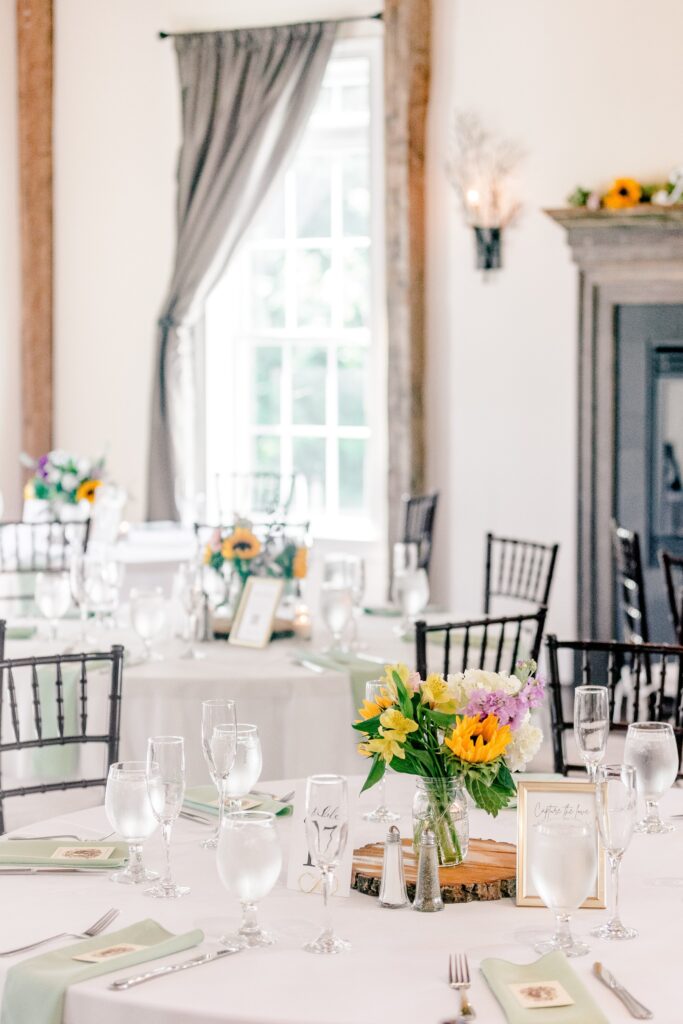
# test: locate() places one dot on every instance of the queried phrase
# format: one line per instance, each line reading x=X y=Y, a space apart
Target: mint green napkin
x=360 y=670
x=20 y=632
x=205 y=798
x=551 y=967
x=39 y=852
x=35 y=988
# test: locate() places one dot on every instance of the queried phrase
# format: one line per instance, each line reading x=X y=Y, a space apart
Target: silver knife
x=50 y=871
x=311 y=665
x=635 y=1008
x=184 y=965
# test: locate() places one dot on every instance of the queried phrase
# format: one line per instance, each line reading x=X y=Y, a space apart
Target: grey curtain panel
x=246 y=96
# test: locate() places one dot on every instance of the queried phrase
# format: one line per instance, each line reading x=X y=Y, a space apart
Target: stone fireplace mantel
x=630 y=257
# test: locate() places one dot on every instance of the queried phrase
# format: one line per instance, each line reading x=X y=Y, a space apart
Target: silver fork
x=67 y=835
x=459 y=979
x=89 y=933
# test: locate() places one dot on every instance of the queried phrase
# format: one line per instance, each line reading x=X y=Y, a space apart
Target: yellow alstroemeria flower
x=372 y=708
x=388 y=746
x=362 y=749
x=300 y=563
x=87 y=490
x=438 y=694
x=241 y=543
x=396 y=722
x=208 y=552
x=478 y=742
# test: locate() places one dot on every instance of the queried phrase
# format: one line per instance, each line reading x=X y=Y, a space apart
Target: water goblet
x=246 y=770
x=130 y=813
x=102 y=579
x=357 y=582
x=165 y=773
x=615 y=807
x=327 y=826
x=374 y=692
x=78 y=592
x=193 y=600
x=563 y=868
x=53 y=597
x=591 y=725
x=249 y=860
x=219 y=745
x=651 y=749
x=336 y=605
x=148 y=615
x=410 y=586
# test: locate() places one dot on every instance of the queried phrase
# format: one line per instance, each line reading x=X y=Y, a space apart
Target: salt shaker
x=428 y=890
x=392 y=890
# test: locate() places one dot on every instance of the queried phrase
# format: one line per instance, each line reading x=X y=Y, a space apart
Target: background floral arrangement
x=239 y=548
x=62 y=478
x=625 y=193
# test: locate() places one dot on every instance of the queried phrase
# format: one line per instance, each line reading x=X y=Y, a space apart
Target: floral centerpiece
x=625 y=193
x=240 y=550
x=467 y=732
x=61 y=478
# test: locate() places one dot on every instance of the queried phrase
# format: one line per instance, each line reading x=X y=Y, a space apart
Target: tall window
x=294 y=354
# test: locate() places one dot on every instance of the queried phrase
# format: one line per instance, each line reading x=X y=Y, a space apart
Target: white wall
x=591 y=94
x=10 y=410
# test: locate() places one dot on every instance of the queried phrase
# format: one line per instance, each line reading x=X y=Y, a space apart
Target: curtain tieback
x=166 y=322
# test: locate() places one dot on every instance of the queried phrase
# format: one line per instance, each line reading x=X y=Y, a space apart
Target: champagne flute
x=615 y=805
x=219 y=740
x=53 y=597
x=373 y=691
x=130 y=814
x=591 y=725
x=148 y=615
x=247 y=767
x=249 y=860
x=564 y=864
x=166 y=787
x=651 y=749
x=327 y=826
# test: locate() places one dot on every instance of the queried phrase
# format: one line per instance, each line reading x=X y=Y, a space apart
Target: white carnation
x=526 y=743
x=69 y=481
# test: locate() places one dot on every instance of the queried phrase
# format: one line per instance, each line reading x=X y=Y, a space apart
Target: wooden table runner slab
x=488 y=873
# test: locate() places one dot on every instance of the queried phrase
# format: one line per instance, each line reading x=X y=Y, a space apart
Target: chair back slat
x=673 y=578
x=631 y=584
x=59 y=697
x=83 y=685
x=519 y=569
x=37 y=714
x=14 y=712
x=418 y=525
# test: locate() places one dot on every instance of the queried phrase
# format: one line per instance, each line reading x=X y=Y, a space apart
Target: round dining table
x=397 y=967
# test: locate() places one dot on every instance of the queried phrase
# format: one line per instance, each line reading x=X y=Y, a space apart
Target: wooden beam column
x=407 y=27
x=35 y=66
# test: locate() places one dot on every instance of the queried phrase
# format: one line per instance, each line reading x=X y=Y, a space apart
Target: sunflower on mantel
x=625 y=193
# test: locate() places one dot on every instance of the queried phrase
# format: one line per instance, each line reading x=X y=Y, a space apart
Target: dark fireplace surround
x=626 y=258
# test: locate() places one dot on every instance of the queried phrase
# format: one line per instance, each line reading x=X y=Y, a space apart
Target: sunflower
x=477 y=741
x=300 y=564
x=87 y=490
x=625 y=192
x=241 y=543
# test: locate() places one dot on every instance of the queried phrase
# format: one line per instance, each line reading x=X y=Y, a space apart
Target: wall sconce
x=479 y=169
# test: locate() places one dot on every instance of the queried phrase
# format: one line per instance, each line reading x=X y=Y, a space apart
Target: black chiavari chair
x=639 y=677
x=673 y=576
x=418 y=525
x=30 y=548
x=631 y=585
x=32 y=692
x=519 y=569
x=494 y=643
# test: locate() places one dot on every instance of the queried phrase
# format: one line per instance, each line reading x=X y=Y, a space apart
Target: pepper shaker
x=428 y=889
x=392 y=891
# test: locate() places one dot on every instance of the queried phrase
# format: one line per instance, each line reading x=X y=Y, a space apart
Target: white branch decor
x=479 y=168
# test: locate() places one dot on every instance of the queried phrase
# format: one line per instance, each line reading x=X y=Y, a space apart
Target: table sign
x=253 y=624
x=302 y=874
x=565 y=800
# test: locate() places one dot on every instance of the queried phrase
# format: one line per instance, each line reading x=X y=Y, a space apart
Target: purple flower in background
x=42 y=466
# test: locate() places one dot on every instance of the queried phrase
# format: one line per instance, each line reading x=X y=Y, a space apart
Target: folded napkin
x=360 y=670
x=204 y=798
x=41 y=852
x=500 y=974
x=20 y=632
x=35 y=988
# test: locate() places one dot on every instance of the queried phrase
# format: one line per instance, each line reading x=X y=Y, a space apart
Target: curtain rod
x=340 y=21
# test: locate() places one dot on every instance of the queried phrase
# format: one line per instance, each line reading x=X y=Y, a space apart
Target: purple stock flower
x=509 y=709
x=42 y=466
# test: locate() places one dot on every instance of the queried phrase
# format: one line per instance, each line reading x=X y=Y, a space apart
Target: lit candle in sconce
x=302 y=625
x=473 y=198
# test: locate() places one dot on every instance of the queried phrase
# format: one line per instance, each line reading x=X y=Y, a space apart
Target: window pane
x=356 y=287
x=309 y=369
x=267 y=372
x=266 y=454
x=355 y=97
x=313 y=197
x=270 y=219
x=309 y=459
x=313 y=288
x=351 y=474
x=352 y=377
x=267 y=290
x=356 y=195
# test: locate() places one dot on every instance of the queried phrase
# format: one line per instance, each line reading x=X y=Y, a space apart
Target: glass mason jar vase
x=441 y=805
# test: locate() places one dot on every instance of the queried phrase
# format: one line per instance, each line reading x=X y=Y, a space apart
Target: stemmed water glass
x=336 y=605
x=148 y=615
x=53 y=597
x=615 y=806
x=102 y=579
x=651 y=749
x=219 y=744
x=249 y=860
x=410 y=586
x=165 y=772
x=356 y=569
x=246 y=770
x=591 y=725
x=563 y=868
x=327 y=826
x=130 y=813
x=77 y=582
x=192 y=597
x=373 y=691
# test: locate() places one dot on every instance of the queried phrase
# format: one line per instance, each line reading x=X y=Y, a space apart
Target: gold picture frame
x=253 y=622
x=570 y=792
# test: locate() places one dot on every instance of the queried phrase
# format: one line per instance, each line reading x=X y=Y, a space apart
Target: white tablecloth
x=397 y=967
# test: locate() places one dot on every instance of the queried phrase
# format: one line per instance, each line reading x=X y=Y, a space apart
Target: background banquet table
x=396 y=969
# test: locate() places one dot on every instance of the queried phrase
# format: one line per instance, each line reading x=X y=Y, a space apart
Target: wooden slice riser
x=488 y=873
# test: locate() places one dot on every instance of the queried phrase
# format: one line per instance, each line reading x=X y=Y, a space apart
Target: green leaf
x=404 y=700
x=440 y=720
x=368 y=725
x=504 y=779
x=491 y=798
x=375 y=773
